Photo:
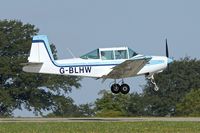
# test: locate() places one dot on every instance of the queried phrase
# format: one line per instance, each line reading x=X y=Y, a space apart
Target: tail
x=40 y=50
x=40 y=53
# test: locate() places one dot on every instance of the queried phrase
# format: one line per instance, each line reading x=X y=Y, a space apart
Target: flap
x=127 y=68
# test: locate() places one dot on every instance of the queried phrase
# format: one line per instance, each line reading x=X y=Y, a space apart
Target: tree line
x=179 y=93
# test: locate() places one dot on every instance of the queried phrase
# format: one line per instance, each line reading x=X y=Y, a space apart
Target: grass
x=100 y=127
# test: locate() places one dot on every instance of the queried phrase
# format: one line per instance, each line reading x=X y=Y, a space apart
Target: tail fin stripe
x=44 y=47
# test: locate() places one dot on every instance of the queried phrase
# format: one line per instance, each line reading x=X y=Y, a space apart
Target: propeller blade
x=167 y=52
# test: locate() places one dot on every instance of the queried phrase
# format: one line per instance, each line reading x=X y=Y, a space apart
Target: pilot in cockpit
x=103 y=57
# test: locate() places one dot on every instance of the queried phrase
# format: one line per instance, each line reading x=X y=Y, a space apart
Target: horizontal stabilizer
x=30 y=63
x=32 y=67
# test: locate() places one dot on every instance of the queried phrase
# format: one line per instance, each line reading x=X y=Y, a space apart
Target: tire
x=124 y=88
x=155 y=89
x=115 y=88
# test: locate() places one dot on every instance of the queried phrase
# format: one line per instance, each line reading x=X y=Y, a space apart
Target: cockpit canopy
x=110 y=53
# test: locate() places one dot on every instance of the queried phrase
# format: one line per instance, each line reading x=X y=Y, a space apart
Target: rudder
x=40 y=50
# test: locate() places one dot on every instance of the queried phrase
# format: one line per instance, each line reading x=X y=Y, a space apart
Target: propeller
x=167 y=51
x=169 y=60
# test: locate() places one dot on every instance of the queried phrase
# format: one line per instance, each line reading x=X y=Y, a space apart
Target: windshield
x=131 y=53
x=91 y=55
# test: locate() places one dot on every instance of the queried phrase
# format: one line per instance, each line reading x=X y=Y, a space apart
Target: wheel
x=124 y=88
x=115 y=88
x=155 y=88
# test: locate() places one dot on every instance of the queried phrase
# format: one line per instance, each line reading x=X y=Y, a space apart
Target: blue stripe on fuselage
x=70 y=65
x=113 y=63
x=155 y=62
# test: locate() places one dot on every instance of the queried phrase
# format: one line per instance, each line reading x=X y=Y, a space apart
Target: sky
x=84 y=25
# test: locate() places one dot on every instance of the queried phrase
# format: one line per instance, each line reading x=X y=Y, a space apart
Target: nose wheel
x=123 y=88
x=155 y=85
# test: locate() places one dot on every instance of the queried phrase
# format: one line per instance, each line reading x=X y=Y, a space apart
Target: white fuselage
x=93 y=64
x=97 y=68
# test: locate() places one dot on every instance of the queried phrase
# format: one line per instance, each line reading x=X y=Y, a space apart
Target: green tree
x=19 y=89
x=174 y=84
x=190 y=104
x=65 y=108
x=86 y=110
x=111 y=105
x=136 y=105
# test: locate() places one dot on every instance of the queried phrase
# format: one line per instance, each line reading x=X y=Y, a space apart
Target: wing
x=127 y=68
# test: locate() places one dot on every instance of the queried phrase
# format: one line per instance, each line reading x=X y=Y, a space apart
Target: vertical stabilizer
x=40 y=50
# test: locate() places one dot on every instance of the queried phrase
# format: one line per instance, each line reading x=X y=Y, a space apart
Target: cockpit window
x=131 y=53
x=107 y=55
x=121 y=54
x=91 y=55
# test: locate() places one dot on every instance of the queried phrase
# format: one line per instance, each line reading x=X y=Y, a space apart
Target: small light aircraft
x=106 y=63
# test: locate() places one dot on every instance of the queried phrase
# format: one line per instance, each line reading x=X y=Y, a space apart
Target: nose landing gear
x=123 y=88
x=151 y=78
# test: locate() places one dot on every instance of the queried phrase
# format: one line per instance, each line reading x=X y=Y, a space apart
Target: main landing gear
x=123 y=88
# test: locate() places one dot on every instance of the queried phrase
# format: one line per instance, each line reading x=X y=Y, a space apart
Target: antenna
x=69 y=50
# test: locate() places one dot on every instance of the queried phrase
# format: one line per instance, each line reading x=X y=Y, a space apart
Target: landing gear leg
x=124 y=88
x=151 y=78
